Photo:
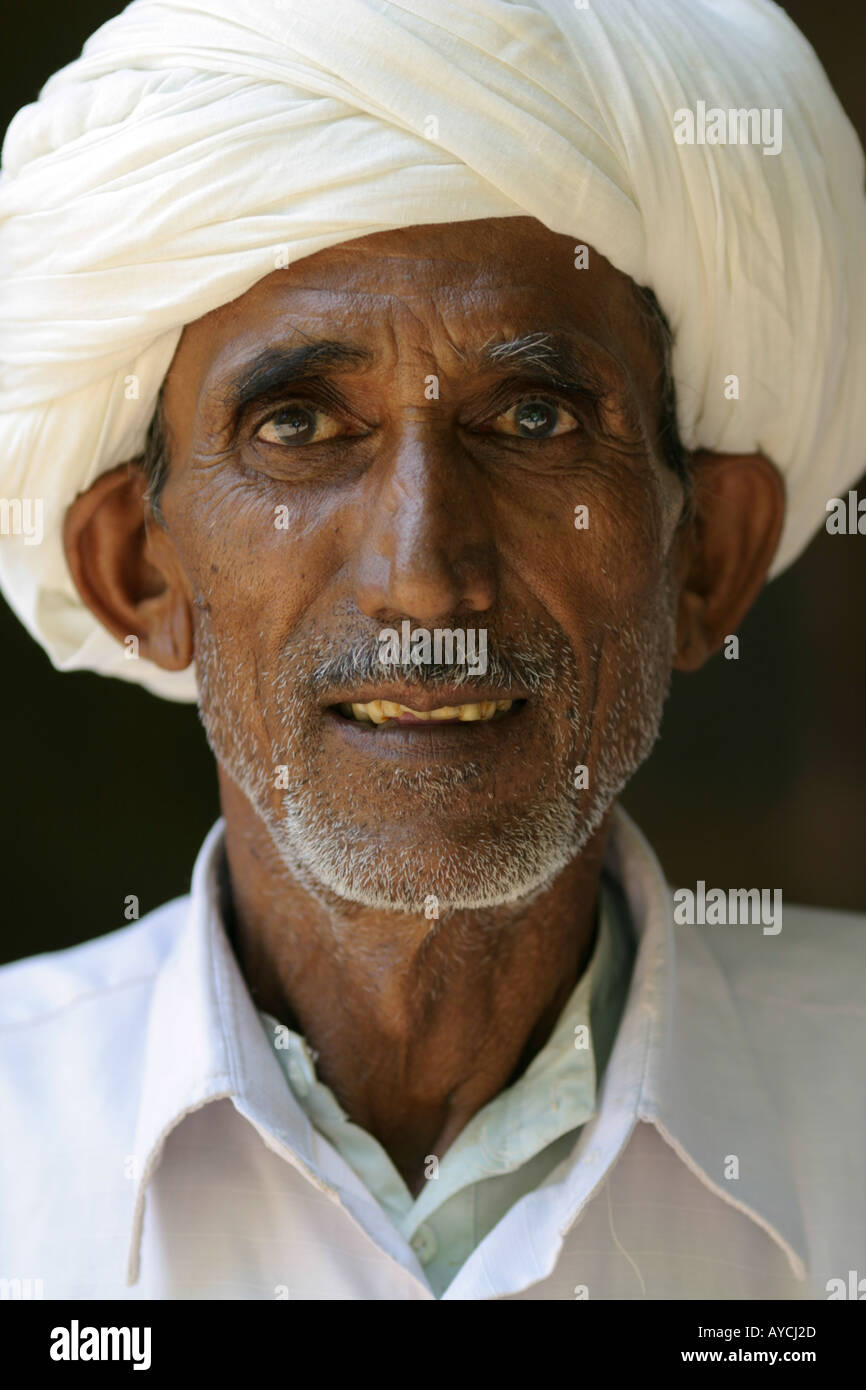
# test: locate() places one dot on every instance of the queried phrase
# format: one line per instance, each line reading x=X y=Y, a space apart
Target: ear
x=739 y=507
x=125 y=570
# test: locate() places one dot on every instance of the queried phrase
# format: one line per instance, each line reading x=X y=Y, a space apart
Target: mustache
x=535 y=665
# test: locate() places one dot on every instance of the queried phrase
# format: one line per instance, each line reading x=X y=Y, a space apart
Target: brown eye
x=298 y=424
x=536 y=418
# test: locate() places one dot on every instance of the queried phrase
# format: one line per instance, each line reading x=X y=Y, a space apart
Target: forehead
x=431 y=287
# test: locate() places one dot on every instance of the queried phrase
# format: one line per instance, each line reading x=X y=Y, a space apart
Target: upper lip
x=425 y=700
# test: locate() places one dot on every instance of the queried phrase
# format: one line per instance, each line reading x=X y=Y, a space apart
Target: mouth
x=381 y=713
x=433 y=727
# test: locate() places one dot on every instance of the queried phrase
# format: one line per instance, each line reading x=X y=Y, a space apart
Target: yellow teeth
x=379 y=711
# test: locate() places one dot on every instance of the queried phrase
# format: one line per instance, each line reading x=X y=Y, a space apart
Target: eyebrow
x=277 y=367
x=553 y=356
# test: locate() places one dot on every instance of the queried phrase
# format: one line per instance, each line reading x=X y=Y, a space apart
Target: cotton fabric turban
x=193 y=144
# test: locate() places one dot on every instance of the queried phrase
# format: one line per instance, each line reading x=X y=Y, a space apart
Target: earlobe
x=739 y=508
x=692 y=650
x=122 y=567
x=168 y=625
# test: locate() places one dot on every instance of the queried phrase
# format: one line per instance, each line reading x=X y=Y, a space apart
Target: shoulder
x=73 y=1036
x=54 y=983
x=795 y=1002
x=775 y=1027
x=808 y=957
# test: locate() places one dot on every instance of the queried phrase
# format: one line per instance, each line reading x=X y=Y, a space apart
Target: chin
x=484 y=867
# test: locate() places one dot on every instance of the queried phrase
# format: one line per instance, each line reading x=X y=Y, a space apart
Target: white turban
x=197 y=142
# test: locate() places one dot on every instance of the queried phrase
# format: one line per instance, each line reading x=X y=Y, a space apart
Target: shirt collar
x=555 y=1094
x=205 y=1042
x=680 y=1059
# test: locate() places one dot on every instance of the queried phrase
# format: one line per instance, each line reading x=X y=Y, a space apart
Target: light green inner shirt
x=515 y=1141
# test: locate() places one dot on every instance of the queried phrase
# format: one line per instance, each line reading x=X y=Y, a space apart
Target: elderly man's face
x=316 y=497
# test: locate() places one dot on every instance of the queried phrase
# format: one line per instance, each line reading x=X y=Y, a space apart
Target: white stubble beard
x=325 y=846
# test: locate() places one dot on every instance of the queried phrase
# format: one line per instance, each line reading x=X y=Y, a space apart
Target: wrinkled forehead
x=435 y=288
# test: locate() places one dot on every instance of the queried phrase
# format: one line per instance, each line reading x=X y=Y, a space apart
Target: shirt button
x=297 y=1080
x=593 y=1155
x=424 y=1244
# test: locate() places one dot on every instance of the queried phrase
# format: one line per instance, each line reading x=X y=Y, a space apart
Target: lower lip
x=428 y=741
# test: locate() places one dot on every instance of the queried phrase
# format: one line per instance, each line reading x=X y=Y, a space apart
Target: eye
x=298 y=423
x=534 y=417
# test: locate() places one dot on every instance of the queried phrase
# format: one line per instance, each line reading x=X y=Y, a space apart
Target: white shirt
x=508 y=1146
x=152 y=1149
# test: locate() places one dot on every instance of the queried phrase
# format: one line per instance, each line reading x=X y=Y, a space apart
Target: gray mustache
x=532 y=667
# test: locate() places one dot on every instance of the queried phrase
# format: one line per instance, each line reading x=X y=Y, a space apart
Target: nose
x=426 y=548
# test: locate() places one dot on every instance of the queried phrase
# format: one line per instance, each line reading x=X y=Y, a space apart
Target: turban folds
x=197 y=144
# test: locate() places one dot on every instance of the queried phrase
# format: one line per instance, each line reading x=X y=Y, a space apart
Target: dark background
x=759 y=779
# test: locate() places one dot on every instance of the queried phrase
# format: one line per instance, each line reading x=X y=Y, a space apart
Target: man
x=376 y=368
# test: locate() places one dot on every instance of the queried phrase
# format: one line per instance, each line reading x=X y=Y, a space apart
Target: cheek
x=594 y=549
x=606 y=583
x=256 y=555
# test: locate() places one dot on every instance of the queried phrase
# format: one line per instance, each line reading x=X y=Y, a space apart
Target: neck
x=417 y=1023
